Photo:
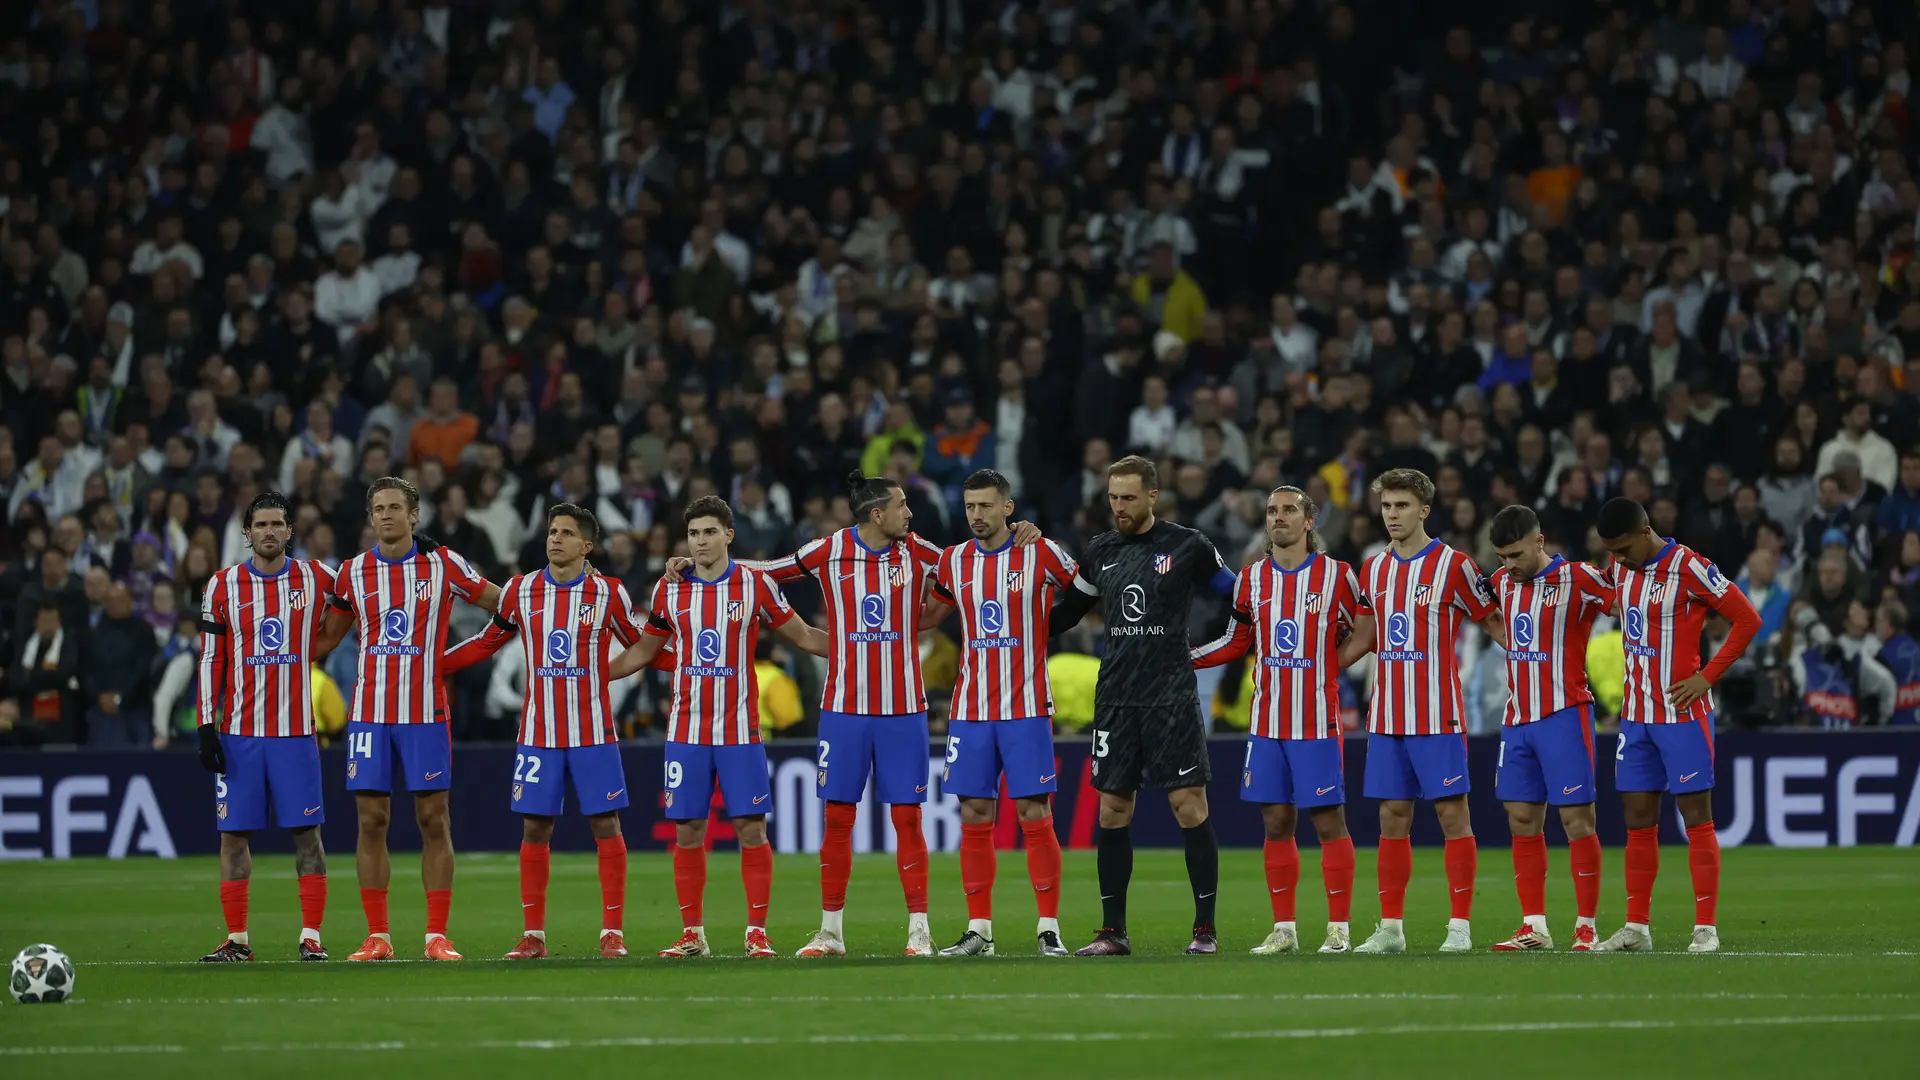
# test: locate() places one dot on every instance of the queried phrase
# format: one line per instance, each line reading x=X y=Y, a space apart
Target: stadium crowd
x=632 y=252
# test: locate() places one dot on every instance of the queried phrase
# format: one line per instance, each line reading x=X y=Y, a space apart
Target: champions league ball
x=41 y=975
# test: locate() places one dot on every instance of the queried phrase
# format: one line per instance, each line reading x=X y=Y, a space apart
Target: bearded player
x=1291 y=610
x=259 y=625
x=1666 y=722
x=1002 y=717
x=1546 y=741
x=400 y=595
x=1417 y=723
x=711 y=617
x=1147 y=723
x=567 y=619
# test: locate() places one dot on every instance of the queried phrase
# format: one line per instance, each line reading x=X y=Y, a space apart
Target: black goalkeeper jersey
x=1145 y=585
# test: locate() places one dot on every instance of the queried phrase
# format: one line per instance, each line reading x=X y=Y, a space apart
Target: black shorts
x=1166 y=746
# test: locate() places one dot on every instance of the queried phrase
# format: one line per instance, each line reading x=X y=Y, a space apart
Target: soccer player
x=1291 y=610
x=259 y=626
x=1546 y=742
x=567 y=619
x=874 y=578
x=1146 y=707
x=400 y=595
x=712 y=619
x=1417 y=723
x=1666 y=722
x=1002 y=717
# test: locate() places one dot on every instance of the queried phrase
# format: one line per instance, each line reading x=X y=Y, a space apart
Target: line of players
x=1303 y=614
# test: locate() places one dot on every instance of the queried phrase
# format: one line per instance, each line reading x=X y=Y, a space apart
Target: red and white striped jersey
x=1417 y=606
x=1663 y=609
x=1549 y=617
x=566 y=633
x=401 y=607
x=873 y=601
x=256 y=647
x=1291 y=620
x=1003 y=597
x=713 y=626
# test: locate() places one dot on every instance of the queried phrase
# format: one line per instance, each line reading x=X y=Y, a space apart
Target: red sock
x=836 y=855
x=690 y=882
x=1283 y=876
x=1463 y=863
x=613 y=880
x=1396 y=866
x=978 y=864
x=1530 y=873
x=374 y=902
x=1336 y=871
x=910 y=854
x=536 y=862
x=439 y=903
x=233 y=902
x=1043 y=865
x=1703 y=858
x=1586 y=875
x=313 y=900
x=1643 y=865
x=756 y=870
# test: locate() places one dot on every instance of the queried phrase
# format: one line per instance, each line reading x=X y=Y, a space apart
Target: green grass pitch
x=1820 y=973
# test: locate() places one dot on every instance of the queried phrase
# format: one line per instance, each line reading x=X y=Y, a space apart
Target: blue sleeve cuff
x=1223 y=581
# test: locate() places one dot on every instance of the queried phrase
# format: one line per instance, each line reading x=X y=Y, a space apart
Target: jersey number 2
x=528 y=764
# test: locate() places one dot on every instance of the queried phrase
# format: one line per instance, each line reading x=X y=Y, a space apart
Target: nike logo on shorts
x=1324 y=790
x=1048 y=779
x=1451 y=780
x=1571 y=790
x=1108 y=567
x=309 y=812
x=1188 y=769
x=1690 y=776
x=920 y=789
x=758 y=799
x=432 y=775
x=612 y=795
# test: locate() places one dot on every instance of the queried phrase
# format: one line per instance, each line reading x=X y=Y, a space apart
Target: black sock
x=1203 y=870
x=1116 y=870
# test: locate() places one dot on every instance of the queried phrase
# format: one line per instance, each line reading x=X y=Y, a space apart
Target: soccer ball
x=41 y=975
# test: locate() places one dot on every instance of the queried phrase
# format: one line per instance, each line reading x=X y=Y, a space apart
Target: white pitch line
x=922 y=1037
x=856 y=999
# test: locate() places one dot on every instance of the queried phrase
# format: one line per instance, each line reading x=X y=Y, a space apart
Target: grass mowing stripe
x=861 y=999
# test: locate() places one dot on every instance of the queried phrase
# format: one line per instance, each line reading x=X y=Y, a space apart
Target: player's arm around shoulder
x=500 y=629
x=1239 y=636
x=339 y=616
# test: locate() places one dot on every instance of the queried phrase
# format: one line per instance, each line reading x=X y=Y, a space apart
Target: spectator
x=1873 y=454
x=445 y=432
x=47 y=677
x=121 y=651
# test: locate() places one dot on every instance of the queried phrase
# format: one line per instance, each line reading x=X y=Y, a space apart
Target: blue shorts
x=540 y=775
x=980 y=751
x=892 y=749
x=268 y=768
x=1308 y=773
x=425 y=753
x=1664 y=757
x=742 y=772
x=1417 y=766
x=1548 y=761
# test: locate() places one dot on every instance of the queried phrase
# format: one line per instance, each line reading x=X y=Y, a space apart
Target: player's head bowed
x=1626 y=532
x=1516 y=536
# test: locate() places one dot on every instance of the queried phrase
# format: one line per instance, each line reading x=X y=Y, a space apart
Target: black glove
x=213 y=757
x=427 y=543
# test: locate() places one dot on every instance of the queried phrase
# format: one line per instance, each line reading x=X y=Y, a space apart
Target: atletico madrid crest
x=420 y=589
x=1422 y=594
x=1549 y=594
x=823 y=778
x=735 y=611
x=668 y=801
x=586 y=612
x=1246 y=778
x=896 y=576
x=518 y=789
x=297 y=599
x=1313 y=603
x=353 y=769
x=1162 y=563
x=1659 y=591
x=220 y=811
x=1014 y=577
